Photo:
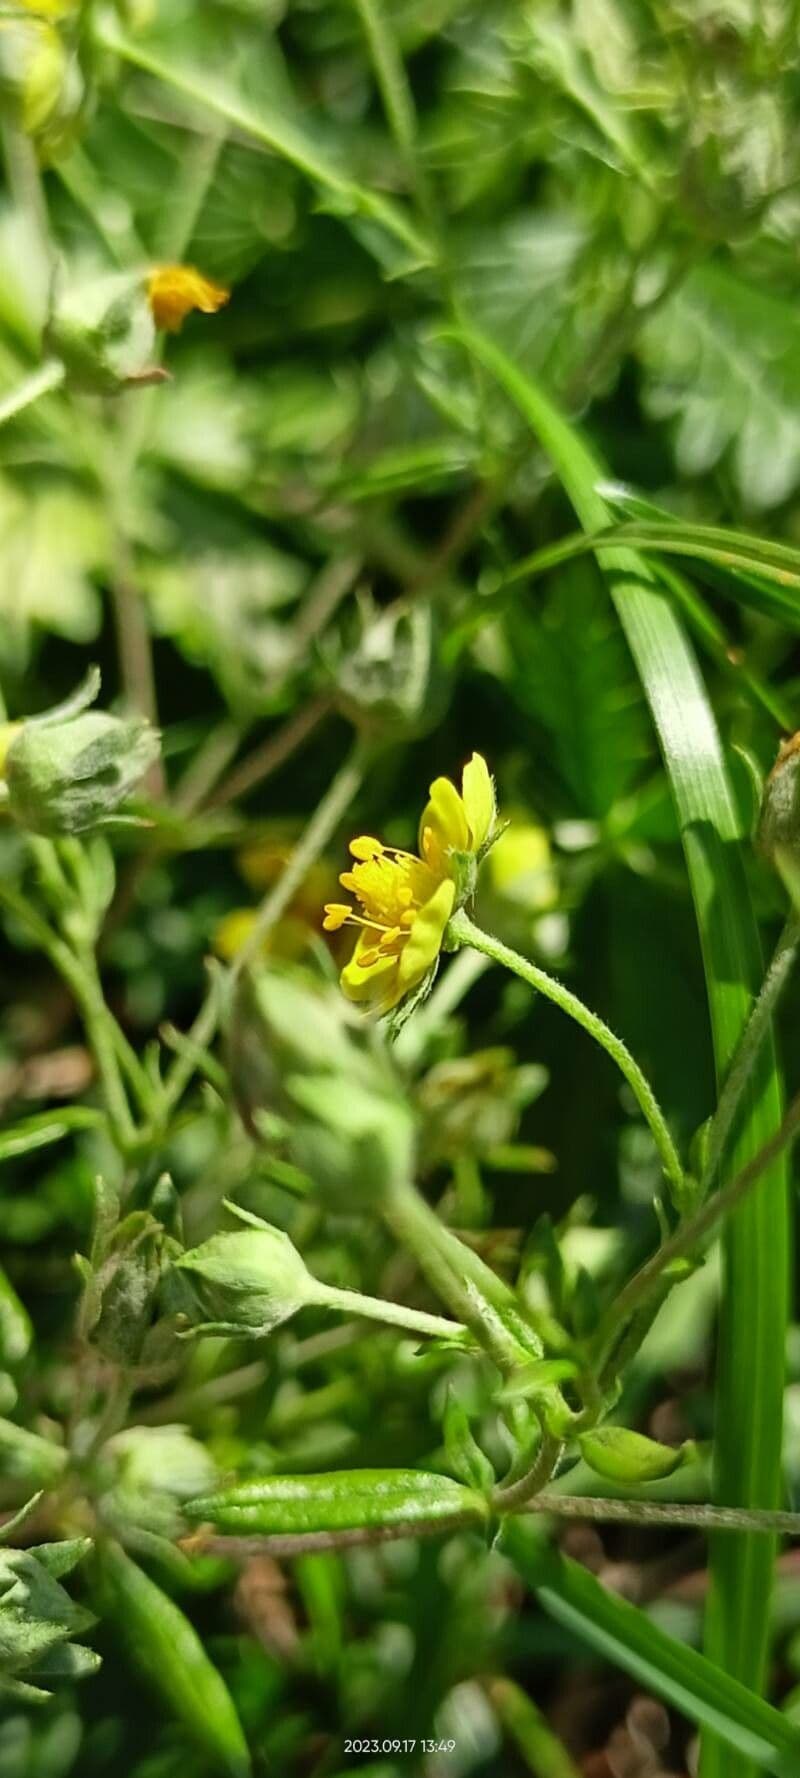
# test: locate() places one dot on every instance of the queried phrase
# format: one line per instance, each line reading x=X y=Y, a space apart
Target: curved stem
x=692 y=1233
x=41 y=382
x=394 y=1314
x=469 y=1287
x=462 y=931
x=324 y=821
x=98 y=1019
x=749 y=1047
x=517 y=1494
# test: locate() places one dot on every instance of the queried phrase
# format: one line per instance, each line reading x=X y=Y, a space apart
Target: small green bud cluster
x=68 y=770
x=38 y=1620
x=389 y=677
x=147 y=1472
x=103 y=331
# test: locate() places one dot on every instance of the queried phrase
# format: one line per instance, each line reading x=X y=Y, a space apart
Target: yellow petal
x=367 y=982
x=443 y=828
x=477 y=791
x=174 y=290
x=424 y=941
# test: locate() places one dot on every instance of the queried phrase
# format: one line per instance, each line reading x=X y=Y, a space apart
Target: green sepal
x=620 y=1455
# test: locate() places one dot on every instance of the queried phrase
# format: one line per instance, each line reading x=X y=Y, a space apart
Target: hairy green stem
x=393 y=1314
x=43 y=381
x=324 y=821
x=509 y=1499
x=323 y=824
x=398 y=101
x=698 y=1517
x=749 y=1047
x=459 y=1276
x=691 y=1233
x=463 y=931
x=686 y=1516
x=300 y=1543
x=99 y=1021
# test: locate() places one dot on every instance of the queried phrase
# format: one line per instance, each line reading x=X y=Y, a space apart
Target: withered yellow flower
x=174 y=290
x=405 y=900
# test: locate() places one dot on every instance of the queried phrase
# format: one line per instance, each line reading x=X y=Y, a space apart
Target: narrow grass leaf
x=754 y=1310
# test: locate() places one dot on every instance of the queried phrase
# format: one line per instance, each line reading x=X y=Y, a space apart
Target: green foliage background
x=608 y=193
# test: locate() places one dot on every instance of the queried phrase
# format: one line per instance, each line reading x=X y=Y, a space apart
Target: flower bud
x=628 y=1457
x=149 y=1471
x=296 y=1052
x=67 y=777
x=33 y=69
x=103 y=331
x=779 y=822
x=390 y=678
x=249 y=1281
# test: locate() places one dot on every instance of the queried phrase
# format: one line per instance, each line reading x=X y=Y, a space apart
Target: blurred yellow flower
x=49 y=9
x=406 y=900
x=174 y=290
x=261 y=865
x=521 y=866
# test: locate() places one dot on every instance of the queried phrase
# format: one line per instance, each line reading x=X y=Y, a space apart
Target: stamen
x=366 y=848
x=337 y=913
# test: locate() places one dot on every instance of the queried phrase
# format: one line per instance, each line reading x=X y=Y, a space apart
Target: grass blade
x=621 y=1633
x=756 y=1242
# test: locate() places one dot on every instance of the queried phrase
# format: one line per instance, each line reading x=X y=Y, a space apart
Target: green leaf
x=462 y=1450
x=340 y=1501
x=46 y=1127
x=10 y=1526
x=27 y=1458
x=568 y=668
x=619 y=1632
x=541 y=1749
x=754 y=1308
x=274 y=127
x=754 y=570
x=16 y=1331
x=722 y=358
x=166 y=1649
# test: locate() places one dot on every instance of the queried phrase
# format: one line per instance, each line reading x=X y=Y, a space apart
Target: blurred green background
x=301 y=534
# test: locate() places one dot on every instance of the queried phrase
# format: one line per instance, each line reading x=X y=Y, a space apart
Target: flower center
x=390 y=888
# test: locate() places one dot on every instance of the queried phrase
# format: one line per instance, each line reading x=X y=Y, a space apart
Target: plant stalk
x=463 y=931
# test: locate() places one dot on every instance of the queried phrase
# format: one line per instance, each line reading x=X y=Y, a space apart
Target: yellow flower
x=406 y=900
x=174 y=290
x=50 y=9
x=261 y=865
